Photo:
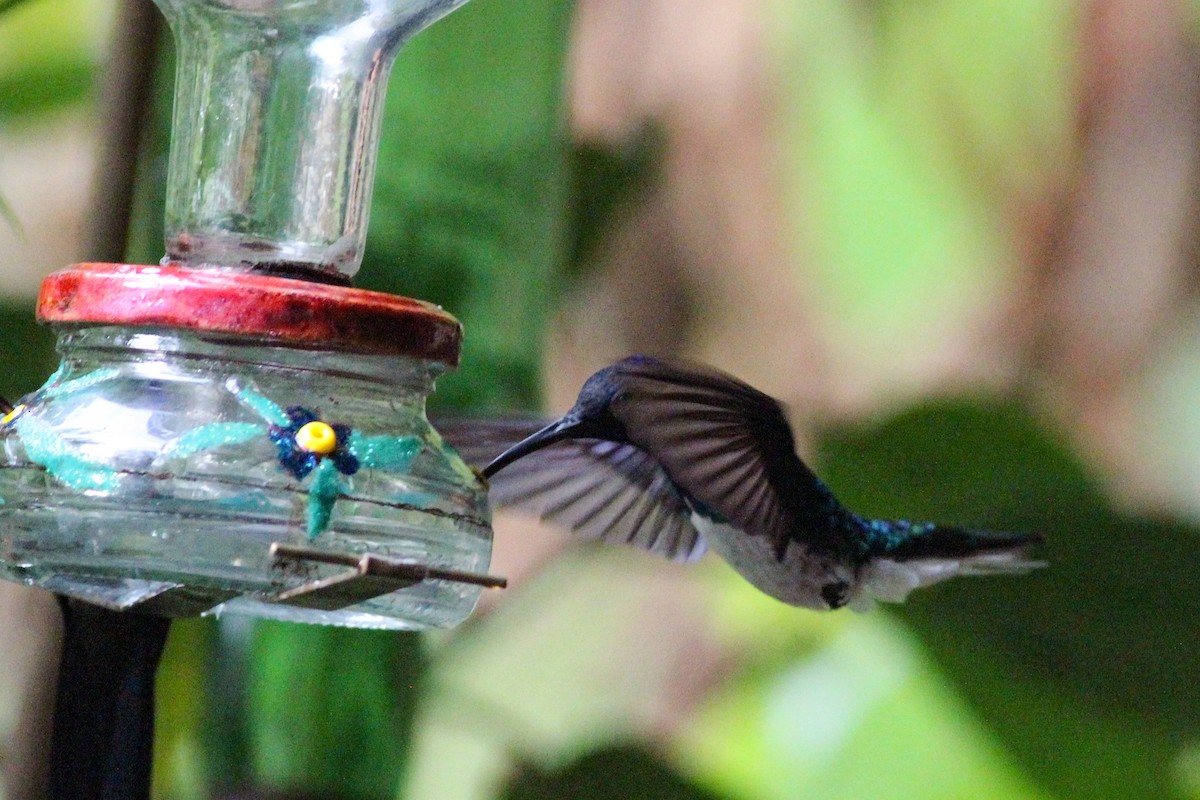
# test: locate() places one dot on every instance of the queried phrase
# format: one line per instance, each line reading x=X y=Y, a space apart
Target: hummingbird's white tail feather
x=999 y=562
x=890 y=581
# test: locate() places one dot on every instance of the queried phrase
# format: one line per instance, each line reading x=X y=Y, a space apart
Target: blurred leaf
x=470 y=207
x=535 y=638
x=985 y=89
x=983 y=462
x=37 y=90
x=863 y=715
x=603 y=181
x=331 y=709
x=6 y=5
x=614 y=773
x=48 y=54
x=591 y=652
x=29 y=350
x=1086 y=670
x=180 y=763
x=919 y=137
x=898 y=240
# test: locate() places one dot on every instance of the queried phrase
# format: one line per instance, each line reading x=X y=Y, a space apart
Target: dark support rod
x=103 y=734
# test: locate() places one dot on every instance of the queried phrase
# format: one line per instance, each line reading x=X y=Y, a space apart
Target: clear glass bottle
x=160 y=458
x=276 y=127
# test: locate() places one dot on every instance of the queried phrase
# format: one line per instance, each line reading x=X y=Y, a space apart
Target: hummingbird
x=675 y=457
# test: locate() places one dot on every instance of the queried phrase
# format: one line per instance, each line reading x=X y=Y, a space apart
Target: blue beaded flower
x=307 y=439
x=306 y=446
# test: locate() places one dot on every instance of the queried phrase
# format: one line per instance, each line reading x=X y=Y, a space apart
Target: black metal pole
x=103 y=736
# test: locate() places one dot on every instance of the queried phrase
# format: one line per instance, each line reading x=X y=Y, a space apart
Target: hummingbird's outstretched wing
x=727 y=444
x=599 y=489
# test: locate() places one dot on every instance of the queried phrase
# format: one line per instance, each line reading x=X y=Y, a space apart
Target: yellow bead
x=10 y=416
x=317 y=437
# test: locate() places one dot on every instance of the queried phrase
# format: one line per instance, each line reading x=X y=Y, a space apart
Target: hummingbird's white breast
x=802 y=574
x=796 y=580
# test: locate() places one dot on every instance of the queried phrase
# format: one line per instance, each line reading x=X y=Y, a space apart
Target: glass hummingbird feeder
x=238 y=428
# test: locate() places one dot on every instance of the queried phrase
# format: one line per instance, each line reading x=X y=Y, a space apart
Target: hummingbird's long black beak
x=564 y=428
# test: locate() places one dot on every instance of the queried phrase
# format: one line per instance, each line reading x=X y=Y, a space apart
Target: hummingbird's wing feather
x=605 y=491
x=728 y=444
x=599 y=489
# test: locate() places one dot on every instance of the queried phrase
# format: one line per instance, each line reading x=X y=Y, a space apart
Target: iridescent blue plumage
x=671 y=456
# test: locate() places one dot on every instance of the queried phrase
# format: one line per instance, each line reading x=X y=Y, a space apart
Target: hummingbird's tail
x=945 y=542
x=936 y=553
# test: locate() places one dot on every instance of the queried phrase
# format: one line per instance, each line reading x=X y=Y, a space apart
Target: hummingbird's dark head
x=591 y=417
x=609 y=390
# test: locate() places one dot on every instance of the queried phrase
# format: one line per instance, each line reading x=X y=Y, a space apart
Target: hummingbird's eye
x=835 y=594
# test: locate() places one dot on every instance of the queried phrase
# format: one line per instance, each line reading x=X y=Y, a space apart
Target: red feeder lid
x=249 y=304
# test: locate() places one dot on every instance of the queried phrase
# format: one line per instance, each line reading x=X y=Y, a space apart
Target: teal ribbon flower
x=307 y=446
x=44 y=447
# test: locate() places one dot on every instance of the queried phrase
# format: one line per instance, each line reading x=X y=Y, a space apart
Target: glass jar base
x=174 y=566
x=158 y=468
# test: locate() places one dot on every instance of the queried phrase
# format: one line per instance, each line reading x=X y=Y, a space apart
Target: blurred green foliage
x=612 y=773
x=331 y=709
x=48 y=55
x=30 y=355
x=913 y=131
x=1086 y=670
x=471 y=196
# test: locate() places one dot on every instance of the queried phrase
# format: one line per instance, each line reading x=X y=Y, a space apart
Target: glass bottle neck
x=276 y=128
